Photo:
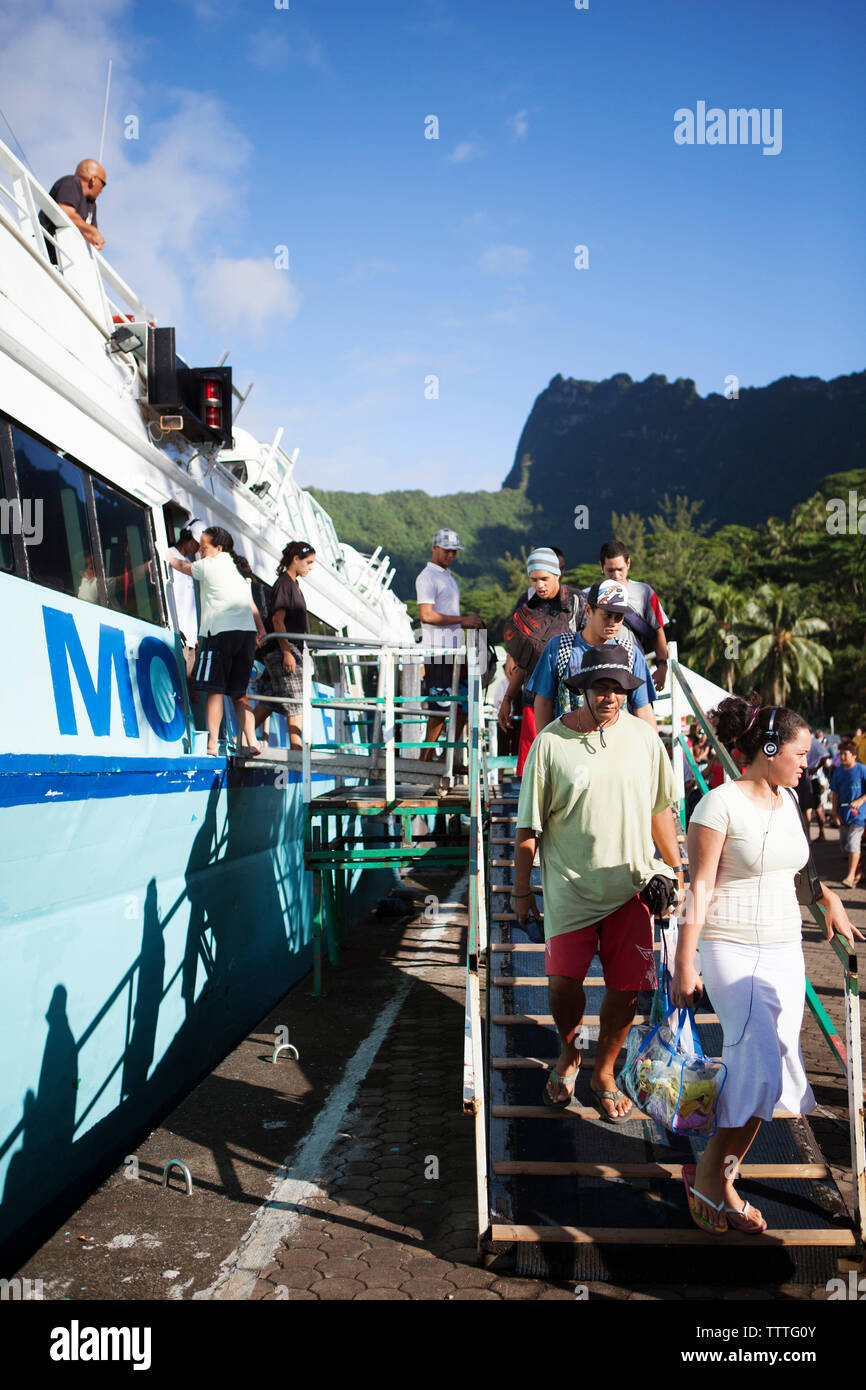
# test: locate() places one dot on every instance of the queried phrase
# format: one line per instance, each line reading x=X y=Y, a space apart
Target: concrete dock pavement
x=349 y=1174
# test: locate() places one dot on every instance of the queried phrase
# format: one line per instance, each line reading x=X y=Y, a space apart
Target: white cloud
x=164 y=210
x=268 y=48
x=380 y=364
x=505 y=260
x=464 y=152
x=365 y=269
x=245 y=296
x=518 y=124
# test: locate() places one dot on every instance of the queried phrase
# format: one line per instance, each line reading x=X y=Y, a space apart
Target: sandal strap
x=715 y=1206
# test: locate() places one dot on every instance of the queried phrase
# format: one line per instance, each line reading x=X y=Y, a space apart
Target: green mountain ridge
x=619 y=446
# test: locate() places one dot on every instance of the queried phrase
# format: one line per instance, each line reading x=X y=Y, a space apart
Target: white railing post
x=856 y=1115
x=677 y=711
x=456 y=654
x=307 y=726
x=388 y=667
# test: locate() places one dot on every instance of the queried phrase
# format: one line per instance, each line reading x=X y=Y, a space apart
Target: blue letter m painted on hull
x=64 y=647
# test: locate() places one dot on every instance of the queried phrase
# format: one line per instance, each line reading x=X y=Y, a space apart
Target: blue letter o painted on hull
x=167 y=693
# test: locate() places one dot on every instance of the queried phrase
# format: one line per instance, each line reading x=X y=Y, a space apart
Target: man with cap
x=606 y=607
x=441 y=623
x=596 y=794
x=550 y=609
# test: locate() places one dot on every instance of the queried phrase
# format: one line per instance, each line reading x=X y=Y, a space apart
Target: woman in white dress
x=746 y=843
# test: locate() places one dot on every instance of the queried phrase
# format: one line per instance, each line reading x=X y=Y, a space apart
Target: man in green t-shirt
x=597 y=792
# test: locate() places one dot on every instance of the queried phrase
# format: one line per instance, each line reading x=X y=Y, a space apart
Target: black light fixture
x=123 y=339
x=201 y=395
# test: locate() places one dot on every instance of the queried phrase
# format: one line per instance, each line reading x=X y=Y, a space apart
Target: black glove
x=658 y=895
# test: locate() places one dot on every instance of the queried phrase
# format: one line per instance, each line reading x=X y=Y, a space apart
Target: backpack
x=529 y=630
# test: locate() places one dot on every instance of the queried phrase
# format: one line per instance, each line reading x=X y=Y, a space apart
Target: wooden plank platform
x=591 y=1020
x=626 y=1235
x=372 y=798
x=539 y=981
x=576 y=1112
x=535 y=1168
x=603 y=1183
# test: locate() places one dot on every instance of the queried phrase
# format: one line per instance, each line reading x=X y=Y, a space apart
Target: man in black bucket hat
x=596 y=793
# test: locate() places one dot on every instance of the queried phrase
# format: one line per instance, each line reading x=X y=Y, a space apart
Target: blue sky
x=305 y=127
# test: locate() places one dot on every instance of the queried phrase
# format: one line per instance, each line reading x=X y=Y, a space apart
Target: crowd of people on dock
x=595 y=807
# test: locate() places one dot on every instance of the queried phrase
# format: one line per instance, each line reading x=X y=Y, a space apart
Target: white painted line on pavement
x=278 y=1216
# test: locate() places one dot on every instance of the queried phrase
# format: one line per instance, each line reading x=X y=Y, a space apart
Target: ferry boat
x=153 y=901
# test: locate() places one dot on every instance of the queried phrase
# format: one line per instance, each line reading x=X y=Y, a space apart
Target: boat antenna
x=105 y=112
x=17 y=141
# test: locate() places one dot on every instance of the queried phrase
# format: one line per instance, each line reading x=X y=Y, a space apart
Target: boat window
x=127 y=556
x=54 y=490
x=81 y=536
x=327 y=668
x=7 y=559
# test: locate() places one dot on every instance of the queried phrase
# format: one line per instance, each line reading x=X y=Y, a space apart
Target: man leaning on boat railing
x=76 y=195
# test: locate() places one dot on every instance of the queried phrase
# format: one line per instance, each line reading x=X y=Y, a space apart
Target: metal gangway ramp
x=572 y=1196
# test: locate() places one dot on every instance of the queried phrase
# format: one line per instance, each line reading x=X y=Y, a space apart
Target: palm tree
x=719 y=629
x=785 y=658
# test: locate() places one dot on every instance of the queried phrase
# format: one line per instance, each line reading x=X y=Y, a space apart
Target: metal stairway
x=573 y=1196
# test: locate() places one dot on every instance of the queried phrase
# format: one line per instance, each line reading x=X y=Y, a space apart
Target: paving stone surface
x=391 y=1214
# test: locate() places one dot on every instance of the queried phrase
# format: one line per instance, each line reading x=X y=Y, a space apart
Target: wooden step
x=591 y=1020
x=523 y=981
x=507 y=946
x=525 y=1167
x=629 y=1235
x=580 y=1112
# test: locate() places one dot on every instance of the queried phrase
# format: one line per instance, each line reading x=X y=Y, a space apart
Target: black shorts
x=806 y=793
x=438 y=680
x=224 y=664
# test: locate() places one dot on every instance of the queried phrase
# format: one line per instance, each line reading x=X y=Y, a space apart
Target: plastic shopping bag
x=678 y=1089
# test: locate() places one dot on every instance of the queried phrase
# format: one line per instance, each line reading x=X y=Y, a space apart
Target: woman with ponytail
x=284 y=660
x=228 y=628
x=746 y=843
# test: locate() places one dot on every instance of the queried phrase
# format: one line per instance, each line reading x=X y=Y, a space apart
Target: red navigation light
x=213 y=413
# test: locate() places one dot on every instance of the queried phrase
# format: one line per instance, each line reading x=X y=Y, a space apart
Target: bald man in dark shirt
x=77 y=194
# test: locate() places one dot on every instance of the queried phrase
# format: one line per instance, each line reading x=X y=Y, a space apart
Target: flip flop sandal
x=739 y=1220
x=614 y=1097
x=689 y=1171
x=568 y=1082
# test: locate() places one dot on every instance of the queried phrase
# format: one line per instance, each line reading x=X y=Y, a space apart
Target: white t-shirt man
x=184 y=600
x=226 y=597
x=437 y=586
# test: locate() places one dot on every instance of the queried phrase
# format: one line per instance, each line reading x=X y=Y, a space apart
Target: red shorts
x=527 y=734
x=624 y=941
